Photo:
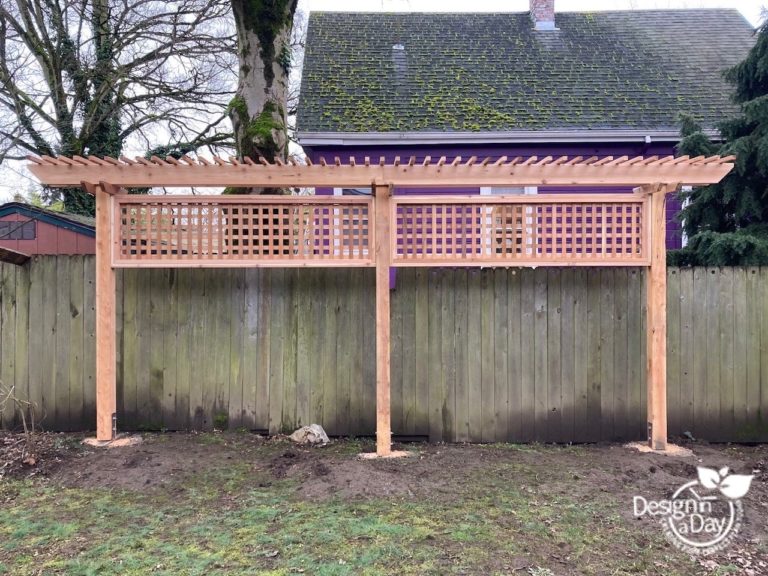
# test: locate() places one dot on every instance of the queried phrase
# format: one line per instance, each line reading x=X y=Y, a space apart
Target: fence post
x=383 y=257
x=106 y=350
x=657 y=321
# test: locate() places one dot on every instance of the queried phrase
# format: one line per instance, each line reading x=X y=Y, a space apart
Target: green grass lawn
x=242 y=510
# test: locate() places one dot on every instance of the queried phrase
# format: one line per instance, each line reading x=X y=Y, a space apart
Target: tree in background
x=259 y=108
x=84 y=77
x=727 y=223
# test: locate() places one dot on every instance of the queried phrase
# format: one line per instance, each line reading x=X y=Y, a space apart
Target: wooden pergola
x=381 y=231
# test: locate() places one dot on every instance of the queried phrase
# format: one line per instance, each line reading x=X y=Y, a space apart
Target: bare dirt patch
x=604 y=478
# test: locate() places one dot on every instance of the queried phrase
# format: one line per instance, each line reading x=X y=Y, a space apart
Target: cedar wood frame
x=651 y=178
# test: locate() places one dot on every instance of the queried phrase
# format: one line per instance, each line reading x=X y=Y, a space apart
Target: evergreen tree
x=727 y=223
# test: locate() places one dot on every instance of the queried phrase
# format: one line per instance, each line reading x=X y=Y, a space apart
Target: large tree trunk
x=258 y=111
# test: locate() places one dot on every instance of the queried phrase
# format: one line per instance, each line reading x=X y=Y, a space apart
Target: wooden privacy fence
x=477 y=355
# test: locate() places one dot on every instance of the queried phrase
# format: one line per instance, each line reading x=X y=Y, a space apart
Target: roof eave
x=47 y=216
x=507 y=137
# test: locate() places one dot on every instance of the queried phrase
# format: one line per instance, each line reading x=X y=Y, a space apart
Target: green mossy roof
x=493 y=72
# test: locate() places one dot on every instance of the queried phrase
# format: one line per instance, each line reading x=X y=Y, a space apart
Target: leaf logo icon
x=734 y=486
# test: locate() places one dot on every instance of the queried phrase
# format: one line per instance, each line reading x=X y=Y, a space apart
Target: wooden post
x=657 y=322
x=106 y=395
x=383 y=258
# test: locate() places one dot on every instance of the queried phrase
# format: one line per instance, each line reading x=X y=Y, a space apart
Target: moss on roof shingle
x=493 y=72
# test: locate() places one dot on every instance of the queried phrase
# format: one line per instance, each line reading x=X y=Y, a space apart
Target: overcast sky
x=11 y=180
x=752 y=9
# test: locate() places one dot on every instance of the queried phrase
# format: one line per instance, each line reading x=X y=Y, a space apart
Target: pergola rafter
x=532 y=171
x=382 y=231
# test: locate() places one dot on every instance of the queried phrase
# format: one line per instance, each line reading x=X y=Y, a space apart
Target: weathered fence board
x=478 y=355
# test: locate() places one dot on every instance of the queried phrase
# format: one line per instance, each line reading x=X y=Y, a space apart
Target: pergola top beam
x=637 y=171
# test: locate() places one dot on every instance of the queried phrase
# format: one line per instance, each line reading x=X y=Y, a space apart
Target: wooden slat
x=397 y=349
x=514 y=357
x=713 y=337
x=23 y=335
x=554 y=383
x=8 y=343
x=434 y=355
x=76 y=343
x=607 y=368
x=636 y=425
x=274 y=361
x=701 y=327
x=622 y=386
x=762 y=389
x=152 y=415
x=568 y=337
x=358 y=356
x=289 y=418
x=130 y=347
x=264 y=301
x=740 y=358
x=581 y=351
x=527 y=360
x=462 y=345
x=540 y=355
x=171 y=337
x=686 y=295
x=501 y=355
x=474 y=356
x=755 y=350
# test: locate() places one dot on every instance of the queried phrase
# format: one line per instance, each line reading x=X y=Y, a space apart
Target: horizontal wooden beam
x=253 y=262
x=227 y=199
x=605 y=198
x=524 y=262
x=689 y=172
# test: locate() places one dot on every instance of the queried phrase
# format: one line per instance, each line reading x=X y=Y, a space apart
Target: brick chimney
x=543 y=14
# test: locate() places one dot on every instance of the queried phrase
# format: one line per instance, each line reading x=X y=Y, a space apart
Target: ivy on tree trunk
x=258 y=109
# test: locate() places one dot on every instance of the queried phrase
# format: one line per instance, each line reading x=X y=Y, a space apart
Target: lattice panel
x=291 y=231
x=431 y=232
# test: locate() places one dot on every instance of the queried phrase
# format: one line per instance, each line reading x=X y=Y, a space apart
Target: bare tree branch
x=100 y=76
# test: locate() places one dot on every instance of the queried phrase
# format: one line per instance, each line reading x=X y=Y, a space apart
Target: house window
x=508 y=191
x=684 y=240
x=351 y=242
x=18 y=230
x=352 y=192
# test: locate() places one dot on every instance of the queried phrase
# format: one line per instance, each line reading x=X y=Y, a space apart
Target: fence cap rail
x=519 y=171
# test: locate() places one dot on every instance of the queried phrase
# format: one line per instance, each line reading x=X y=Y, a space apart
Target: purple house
x=537 y=83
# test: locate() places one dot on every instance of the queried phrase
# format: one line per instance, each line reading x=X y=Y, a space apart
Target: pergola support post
x=657 y=321
x=106 y=350
x=383 y=258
